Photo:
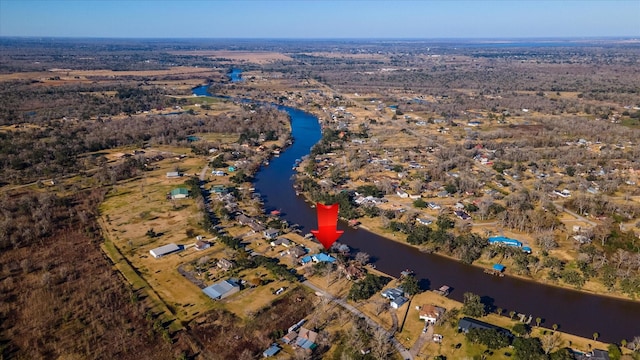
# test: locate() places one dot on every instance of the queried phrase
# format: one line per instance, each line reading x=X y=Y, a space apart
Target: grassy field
x=133 y=208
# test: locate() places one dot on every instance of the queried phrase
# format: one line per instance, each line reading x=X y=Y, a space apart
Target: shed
x=173 y=174
x=272 y=350
x=164 y=250
x=222 y=289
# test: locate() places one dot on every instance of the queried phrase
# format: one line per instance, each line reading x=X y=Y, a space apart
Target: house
x=281 y=241
x=222 y=289
x=398 y=302
x=322 y=258
x=392 y=293
x=503 y=240
x=402 y=194
x=353 y=272
x=297 y=251
x=271 y=233
x=306 y=260
x=179 y=193
x=201 y=245
x=256 y=227
x=290 y=337
x=219 y=189
x=164 y=250
x=422 y=221
x=595 y=354
x=218 y=173
x=466 y=323
x=433 y=206
x=431 y=313
x=271 y=351
x=173 y=174
x=225 y=264
x=462 y=215
x=306 y=339
x=244 y=219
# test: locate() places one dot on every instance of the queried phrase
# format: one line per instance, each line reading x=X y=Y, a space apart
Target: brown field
x=339 y=55
x=139 y=205
x=71 y=76
x=241 y=56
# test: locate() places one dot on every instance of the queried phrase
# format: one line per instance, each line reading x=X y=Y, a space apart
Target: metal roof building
x=274 y=349
x=222 y=289
x=504 y=240
x=466 y=323
x=164 y=250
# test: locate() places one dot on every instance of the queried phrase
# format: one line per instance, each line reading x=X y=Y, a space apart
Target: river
x=574 y=312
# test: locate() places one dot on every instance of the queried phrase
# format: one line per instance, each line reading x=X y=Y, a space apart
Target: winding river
x=575 y=312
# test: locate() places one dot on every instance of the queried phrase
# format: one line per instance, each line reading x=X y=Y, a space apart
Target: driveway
x=399 y=347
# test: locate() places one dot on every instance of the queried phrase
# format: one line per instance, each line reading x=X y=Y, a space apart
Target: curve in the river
x=575 y=312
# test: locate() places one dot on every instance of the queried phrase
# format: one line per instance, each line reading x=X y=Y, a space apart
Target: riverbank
x=373 y=225
x=368 y=225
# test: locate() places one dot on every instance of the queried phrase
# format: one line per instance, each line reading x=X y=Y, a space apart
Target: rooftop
x=218 y=290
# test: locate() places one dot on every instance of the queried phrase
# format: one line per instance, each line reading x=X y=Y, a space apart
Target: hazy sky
x=320 y=19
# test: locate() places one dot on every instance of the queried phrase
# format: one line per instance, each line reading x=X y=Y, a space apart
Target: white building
x=164 y=250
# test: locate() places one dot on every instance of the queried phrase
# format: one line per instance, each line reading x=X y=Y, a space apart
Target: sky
x=320 y=19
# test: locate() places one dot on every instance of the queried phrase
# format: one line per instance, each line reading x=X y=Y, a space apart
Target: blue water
x=235 y=75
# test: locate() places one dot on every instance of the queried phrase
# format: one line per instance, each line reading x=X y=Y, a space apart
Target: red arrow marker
x=327 y=232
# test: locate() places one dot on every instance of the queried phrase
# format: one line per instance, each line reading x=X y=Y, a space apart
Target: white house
x=431 y=313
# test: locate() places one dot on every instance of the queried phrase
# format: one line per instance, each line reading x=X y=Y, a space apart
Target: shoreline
x=479 y=266
x=524 y=278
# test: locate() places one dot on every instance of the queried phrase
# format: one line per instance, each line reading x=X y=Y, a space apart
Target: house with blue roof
x=504 y=241
x=323 y=258
x=306 y=259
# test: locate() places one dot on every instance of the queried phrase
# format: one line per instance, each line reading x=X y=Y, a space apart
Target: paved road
x=401 y=349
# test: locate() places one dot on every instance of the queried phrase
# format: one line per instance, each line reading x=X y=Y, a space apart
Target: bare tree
x=381 y=346
x=362 y=258
x=551 y=341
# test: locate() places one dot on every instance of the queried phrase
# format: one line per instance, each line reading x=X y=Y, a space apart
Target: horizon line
x=539 y=38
